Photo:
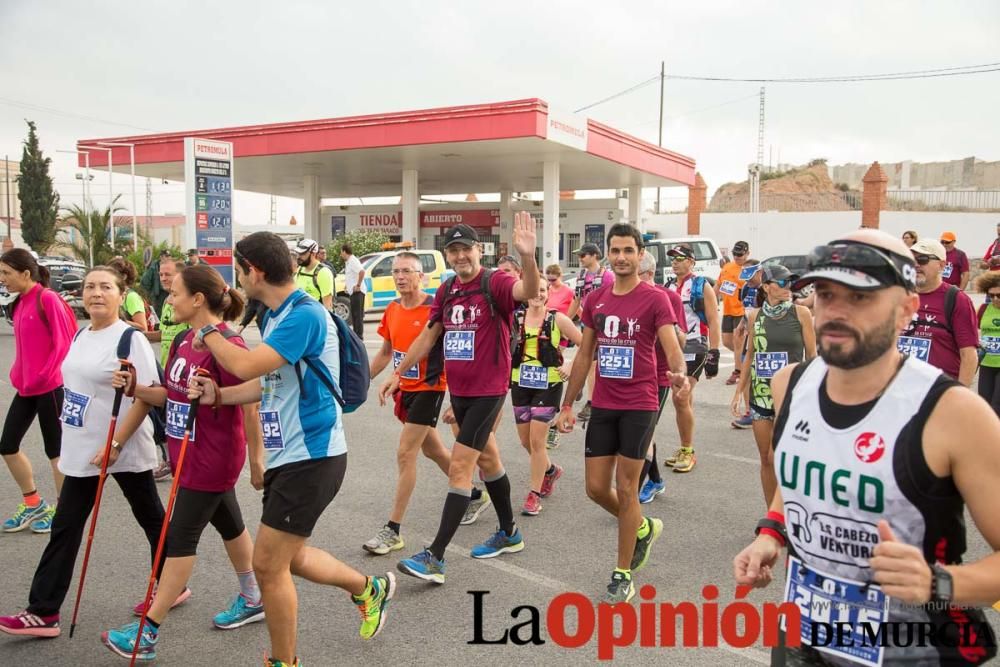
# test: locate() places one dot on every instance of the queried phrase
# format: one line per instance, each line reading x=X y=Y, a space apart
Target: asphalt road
x=709 y=515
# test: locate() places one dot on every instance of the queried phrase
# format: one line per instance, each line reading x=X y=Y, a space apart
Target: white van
x=707 y=255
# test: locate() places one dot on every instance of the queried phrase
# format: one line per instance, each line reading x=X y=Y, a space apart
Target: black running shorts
x=729 y=323
x=475 y=416
x=193 y=510
x=619 y=432
x=420 y=407
x=696 y=366
x=296 y=494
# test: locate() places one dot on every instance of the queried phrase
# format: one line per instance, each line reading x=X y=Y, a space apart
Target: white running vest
x=695 y=343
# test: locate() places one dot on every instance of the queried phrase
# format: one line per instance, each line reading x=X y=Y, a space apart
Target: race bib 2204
x=460 y=345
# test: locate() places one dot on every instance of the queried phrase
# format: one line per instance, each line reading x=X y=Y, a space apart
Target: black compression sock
x=654 y=471
x=393 y=525
x=552 y=469
x=500 y=495
x=455 y=505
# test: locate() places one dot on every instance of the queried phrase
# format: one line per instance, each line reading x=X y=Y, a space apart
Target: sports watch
x=205 y=330
x=942 y=588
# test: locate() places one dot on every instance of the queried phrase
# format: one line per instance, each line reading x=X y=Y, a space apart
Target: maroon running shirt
x=662 y=364
x=476 y=346
x=217 y=448
x=956 y=264
x=626 y=327
x=928 y=339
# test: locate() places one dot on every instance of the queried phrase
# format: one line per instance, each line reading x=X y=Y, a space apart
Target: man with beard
x=871 y=450
x=313 y=277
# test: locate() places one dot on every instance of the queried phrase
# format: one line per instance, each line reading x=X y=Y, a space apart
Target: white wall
x=797 y=233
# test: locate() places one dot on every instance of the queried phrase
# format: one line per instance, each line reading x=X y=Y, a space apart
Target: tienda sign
x=482 y=218
x=390 y=223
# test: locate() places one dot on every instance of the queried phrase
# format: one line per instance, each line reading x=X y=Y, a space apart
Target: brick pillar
x=697 y=201
x=873 y=197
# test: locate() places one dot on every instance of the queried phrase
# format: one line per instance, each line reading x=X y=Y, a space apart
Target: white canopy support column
x=506 y=220
x=635 y=206
x=310 y=195
x=550 y=210
x=411 y=206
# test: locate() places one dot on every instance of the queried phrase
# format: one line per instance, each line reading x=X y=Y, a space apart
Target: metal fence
x=944 y=200
x=897 y=200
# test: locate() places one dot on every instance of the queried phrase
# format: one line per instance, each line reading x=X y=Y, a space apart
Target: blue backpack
x=355 y=376
x=698 y=297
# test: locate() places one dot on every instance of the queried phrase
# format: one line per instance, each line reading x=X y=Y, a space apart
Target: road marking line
x=741 y=459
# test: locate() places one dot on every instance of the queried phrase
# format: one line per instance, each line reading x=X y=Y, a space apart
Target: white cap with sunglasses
x=930 y=247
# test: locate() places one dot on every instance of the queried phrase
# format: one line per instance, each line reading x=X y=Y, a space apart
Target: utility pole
x=149 y=204
x=663 y=76
x=6 y=162
x=274 y=210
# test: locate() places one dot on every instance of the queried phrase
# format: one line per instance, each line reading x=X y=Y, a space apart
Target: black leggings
x=193 y=510
x=55 y=570
x=48 y=407
x=989 y=386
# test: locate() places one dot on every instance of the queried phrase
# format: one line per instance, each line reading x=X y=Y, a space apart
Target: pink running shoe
x=181 y=599
x=30 y=625
x=532 y=505
x=549 y=482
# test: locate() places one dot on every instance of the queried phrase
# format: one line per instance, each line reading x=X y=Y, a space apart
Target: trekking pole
x=116 y=406
x=188 y=427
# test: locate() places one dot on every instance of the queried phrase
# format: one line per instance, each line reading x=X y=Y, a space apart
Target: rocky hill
x=804 y=189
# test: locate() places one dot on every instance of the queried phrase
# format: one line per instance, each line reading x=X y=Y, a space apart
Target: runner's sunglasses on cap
x=859 y=266
x=680 y=252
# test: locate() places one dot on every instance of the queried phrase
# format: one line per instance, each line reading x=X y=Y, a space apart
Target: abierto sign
x=566 y=128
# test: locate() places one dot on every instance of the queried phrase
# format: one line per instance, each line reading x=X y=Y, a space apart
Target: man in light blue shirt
x=304 y=455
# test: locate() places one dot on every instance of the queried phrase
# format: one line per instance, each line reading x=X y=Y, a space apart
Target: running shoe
x=181 y=599
x=373 y=608
x=274 y=662
x=672 y=459
x=734 y=377
x=499 y=543
x=162 y=472
x=43 y=524
x=240 y=613
x=385 y=540
x=685 y=462
x=122 y=641
x=549 y=481
x=532 y=504
x=620 y=589
x=746 y=421
x=423 y=566
x=650 y=490
x=475 y=508
x=643 y=545
x=552 y=439
x=30 y=625
x=23 y=517
x=584 y=413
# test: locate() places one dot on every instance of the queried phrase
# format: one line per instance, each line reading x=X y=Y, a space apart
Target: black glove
x=712 y=364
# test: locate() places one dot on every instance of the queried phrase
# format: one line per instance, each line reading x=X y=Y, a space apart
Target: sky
x=116 y=67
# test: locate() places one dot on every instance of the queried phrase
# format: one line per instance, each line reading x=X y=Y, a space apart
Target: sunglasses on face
x=781 y=282
x=993 y=295
x=946 y=242
x=922 y=260
x=738 y=254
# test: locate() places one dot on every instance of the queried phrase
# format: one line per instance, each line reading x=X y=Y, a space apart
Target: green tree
x=362 y=242
x=92 y=228
x=39 y=202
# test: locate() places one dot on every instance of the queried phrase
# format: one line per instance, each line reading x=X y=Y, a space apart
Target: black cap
x=192 y=251
x=588 y=249
x=741 y=246
x=772 y=272
x=682 y=250
x=461 y=234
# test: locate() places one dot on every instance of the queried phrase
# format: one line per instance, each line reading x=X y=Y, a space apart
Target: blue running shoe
x=744 y=422
x=24 y=516
x=499 y=543
x=650 y=490
x=43 y=524
x=240 y=613
x=423 y=566
x=122 y=641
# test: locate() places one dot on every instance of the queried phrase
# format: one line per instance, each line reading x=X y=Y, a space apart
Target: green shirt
x=989 y=336
x=316 y=283
x=133 y=303
x=168 y=331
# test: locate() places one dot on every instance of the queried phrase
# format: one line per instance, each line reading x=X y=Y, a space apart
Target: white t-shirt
x=86 y=413
x=352 y=269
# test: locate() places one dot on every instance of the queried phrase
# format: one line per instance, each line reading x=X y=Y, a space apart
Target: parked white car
x=707 y=255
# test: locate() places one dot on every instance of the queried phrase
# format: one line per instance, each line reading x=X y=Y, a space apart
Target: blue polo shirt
x=301 y=421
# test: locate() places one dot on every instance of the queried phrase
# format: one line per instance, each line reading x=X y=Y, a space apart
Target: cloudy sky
x=116 y=67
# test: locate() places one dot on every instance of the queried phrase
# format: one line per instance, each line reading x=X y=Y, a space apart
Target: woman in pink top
x=560 y=294
x=43 y=330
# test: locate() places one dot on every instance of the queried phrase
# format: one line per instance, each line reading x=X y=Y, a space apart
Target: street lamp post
x=86 y=193
x=111 y=196
x=131 y=157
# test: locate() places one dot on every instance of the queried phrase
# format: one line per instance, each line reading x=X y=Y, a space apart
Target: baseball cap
x=306 y=245
x=948 y=236
x=682 y=250
x=192 y=251
x=741 y=247
x=749 y=269
x=865 y=260
x=588 y=249
x=930 y=247
x=461 y=234
x=773 y=272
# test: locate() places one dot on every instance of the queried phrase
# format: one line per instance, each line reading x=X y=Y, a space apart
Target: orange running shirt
x=728 y=289
x=401 y=326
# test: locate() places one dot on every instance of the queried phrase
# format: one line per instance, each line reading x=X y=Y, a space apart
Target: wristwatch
x=942 y=588
x=117 y=446
x=205 y=330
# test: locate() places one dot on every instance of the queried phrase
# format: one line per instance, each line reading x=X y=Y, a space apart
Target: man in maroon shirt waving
x=472 y=313
x=622 y=323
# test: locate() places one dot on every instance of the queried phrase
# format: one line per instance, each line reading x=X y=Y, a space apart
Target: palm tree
x=91 y=227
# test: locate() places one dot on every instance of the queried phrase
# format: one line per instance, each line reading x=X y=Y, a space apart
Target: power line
x=67 y=114
x=624 y=92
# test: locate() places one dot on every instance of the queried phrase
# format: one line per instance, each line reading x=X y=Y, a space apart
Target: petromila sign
x=213 y=150
x=566 y=128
